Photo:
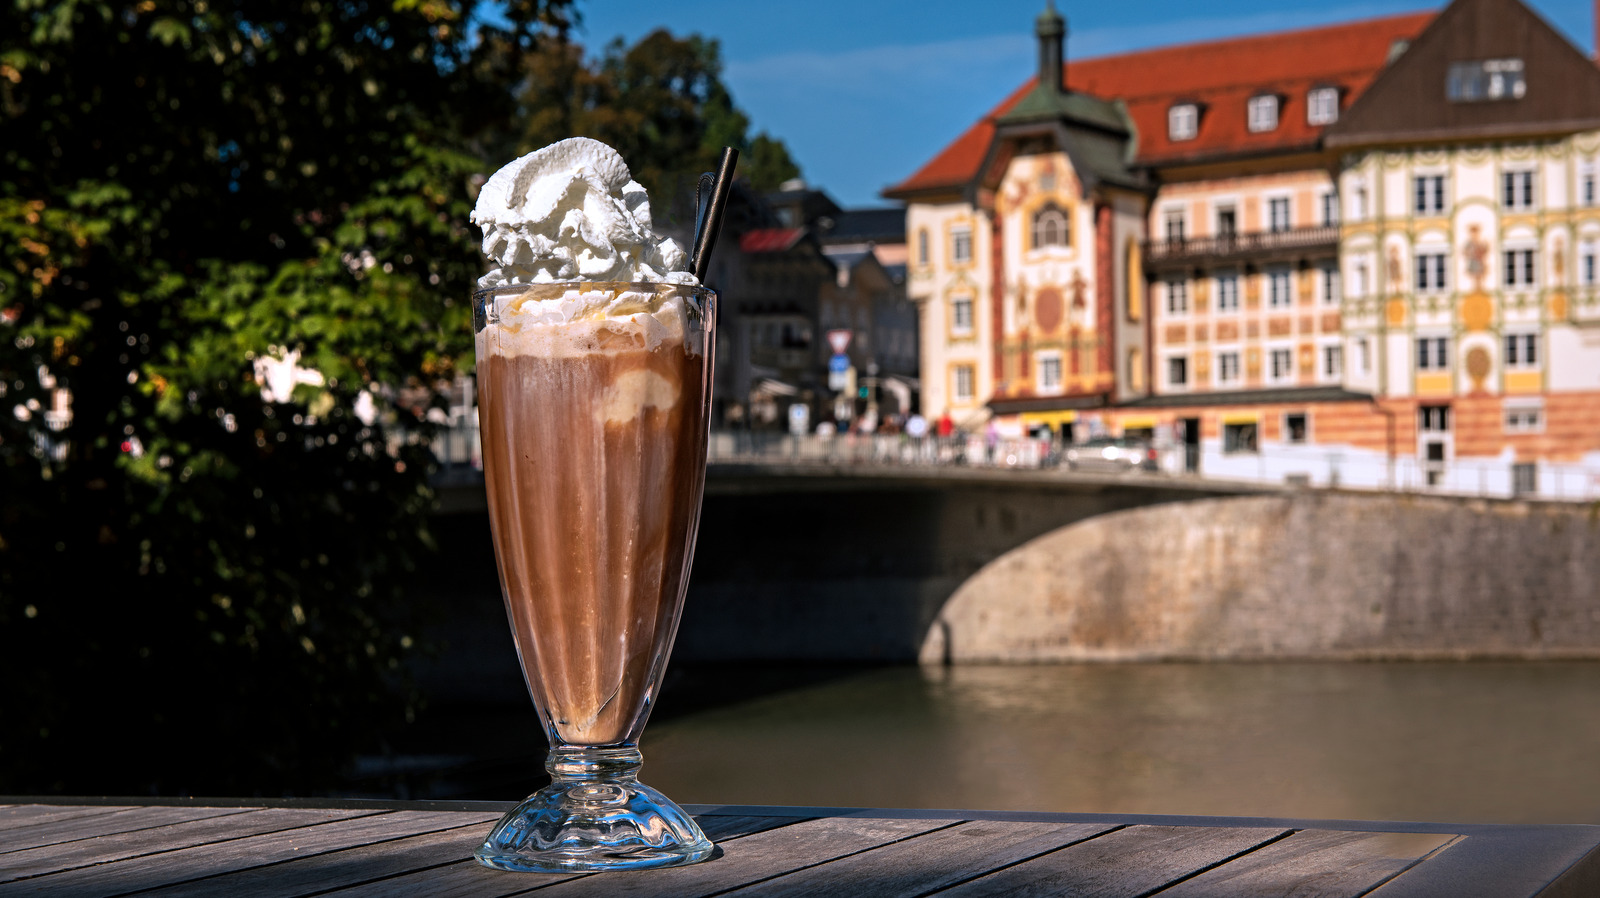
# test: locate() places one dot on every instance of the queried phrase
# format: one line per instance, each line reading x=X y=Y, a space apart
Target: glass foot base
x=594 y=826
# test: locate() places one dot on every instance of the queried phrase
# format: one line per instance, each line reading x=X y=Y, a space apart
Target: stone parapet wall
x=1302 y=575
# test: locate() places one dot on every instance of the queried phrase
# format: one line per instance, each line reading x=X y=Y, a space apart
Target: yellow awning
x=1137 y=422
x=1053 y=419
x=1242 y=418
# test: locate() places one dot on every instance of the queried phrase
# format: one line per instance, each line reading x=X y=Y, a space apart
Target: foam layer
x=583 y=321
x=571 y=212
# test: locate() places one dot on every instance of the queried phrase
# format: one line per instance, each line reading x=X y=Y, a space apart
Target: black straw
x=711 y=219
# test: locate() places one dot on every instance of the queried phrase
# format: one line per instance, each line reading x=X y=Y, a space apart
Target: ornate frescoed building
x=1360 y=254
x=1472 y=226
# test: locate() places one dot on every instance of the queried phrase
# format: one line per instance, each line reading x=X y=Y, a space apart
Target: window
x=1050 y=227
x=1240 y=437
x=1177 y=297
x=1429 y=191
x=1359 y=279
x=1175 y=222
x=1295 y=427
x=1433 y=418
x=1178 y=371
x=1484 y=80
x=1227 y=222
x=1332 y=292
x=1364 y=355
x=1227 y=293
x=1330 y=209
x=961 y=245
x=1519 y=267
x=961 y=315
x=1586 y=263
x=1358 y=202
x=1227 y=367
x=1049 y=372
x=1332 y=362
x=1263 y=113
x=922 y=246
x=1524 y=419
x=1524 y=478
x=1278 y=288
x=963 y=383
x=1522 y=351
x=1322 y=106
x=1183 y=121
x=1586 y=184
x=1516 y=189
x=1430 y=272
x=1278 y=213
x=1433 y=353
x=1282 y=364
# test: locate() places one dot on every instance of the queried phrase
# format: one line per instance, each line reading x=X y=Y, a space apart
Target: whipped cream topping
x=572 y=212
x=584 y=320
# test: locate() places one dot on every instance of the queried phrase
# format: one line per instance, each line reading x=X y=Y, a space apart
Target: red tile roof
x=1221 y=76
x=769 y=240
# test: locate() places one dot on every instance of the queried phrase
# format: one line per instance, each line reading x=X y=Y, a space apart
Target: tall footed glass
x=593 y=410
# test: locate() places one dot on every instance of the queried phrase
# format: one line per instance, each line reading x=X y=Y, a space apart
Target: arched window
x=1051 y=228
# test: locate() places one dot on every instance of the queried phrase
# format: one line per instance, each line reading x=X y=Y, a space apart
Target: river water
x=1512 y=742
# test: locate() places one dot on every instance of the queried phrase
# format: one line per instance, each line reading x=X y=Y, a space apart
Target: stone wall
x=1292 y=575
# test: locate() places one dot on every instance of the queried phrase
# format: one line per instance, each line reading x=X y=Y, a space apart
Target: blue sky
x=865 y=92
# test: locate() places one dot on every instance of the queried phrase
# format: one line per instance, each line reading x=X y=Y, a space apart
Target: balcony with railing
x=1259 y=246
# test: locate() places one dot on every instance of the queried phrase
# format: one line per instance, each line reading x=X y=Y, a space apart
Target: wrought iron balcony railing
x=1259 y=245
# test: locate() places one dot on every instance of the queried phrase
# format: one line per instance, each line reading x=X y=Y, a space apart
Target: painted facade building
x=1360 y=254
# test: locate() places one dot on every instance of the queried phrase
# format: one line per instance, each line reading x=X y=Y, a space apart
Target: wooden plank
x=1136 y=860
x=121 y=846
x=200 y=861
x=751 y=859
x=928 y=862
x=469 y=879
x=1315 y=863
x=78 y=828
x=15 y=816
x=353 y=866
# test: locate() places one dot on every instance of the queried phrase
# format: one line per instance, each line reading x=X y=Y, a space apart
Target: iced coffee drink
x=594 y=363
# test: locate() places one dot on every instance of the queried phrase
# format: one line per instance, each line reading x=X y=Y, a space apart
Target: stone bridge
x=862 y=563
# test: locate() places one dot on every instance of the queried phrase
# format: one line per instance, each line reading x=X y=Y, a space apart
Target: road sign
x=842 y=381
x=838 y=364
x=839 y=340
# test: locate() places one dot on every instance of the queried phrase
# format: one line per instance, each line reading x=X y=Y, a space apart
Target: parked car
x=1111 y=454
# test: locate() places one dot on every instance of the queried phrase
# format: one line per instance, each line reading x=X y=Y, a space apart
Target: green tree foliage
x=198 y=586
x=660 y=102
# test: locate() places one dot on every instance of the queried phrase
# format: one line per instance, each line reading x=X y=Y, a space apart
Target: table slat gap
x=1128 y=861
x=61 y=857
x=928 y=862
x=62 y=814
x=155 y=820
x=1321 y=863
x=320 y=873
x=1227 y=860
x=72 y=882
x=1414 y=864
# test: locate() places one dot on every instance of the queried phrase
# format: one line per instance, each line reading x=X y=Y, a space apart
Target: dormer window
x=1263 y=113
x=1050 y=227
x=1183 y=121
x=1322 y=106
x=1485 y=80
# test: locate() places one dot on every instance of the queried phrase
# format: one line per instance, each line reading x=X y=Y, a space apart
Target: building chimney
x=1052 y=32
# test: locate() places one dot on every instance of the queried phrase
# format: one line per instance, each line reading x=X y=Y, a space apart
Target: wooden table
x=73 y=847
